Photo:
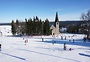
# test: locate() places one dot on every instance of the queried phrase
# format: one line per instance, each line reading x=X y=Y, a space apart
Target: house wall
x=55 y=30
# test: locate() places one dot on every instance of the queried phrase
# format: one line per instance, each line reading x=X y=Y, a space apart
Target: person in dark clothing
x=64 y=46
x=0 y=47
x=53 y=41
x=42 y=39
x=70 y=49
x=73 y=41
x=65 y=37
x=84 y=39
x=61 y=37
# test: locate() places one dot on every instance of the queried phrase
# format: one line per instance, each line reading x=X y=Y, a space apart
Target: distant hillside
x=62 y=23
x=5 y=23
x=66 y=23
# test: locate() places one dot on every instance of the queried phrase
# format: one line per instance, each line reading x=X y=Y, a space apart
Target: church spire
x=56 y=18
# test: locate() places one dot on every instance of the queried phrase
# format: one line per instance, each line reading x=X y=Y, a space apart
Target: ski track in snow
x=49 y=55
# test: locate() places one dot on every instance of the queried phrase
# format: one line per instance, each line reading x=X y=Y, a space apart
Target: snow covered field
x=5 y=30
x=14 y=49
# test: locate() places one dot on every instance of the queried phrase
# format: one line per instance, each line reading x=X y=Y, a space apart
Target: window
x=57 y=23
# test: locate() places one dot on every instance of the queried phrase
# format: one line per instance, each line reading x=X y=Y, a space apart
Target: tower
x=55 y=27
x=56 y=18
x=57 y=23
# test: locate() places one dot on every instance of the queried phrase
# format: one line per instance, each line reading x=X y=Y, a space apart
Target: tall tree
x=40 y=27
x=13 y=27
x=17 y=26
x=46 y=27
x=26 y=26
x=17 y=22
x=29 y=26
x=86 y=16
x=34 y=26
x=72 y=29
x=37 y=18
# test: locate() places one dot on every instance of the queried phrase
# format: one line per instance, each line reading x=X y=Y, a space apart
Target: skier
x=42 y=39
x=23 y=38
x=61 y=37
x=69 y=40
x=26 y=41
x=70 y=49
x=53 y=42
x=64 y=46
x=0 y=47
x=65 y=37
x=84 y=39
x=73 y=40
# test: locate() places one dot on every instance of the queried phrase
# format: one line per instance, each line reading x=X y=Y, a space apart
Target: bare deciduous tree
x=86 y=16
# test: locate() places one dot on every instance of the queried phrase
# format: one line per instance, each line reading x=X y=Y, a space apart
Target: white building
x=55 y=27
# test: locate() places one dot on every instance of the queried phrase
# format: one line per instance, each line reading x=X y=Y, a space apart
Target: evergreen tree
x=13 y=27
x=17 y=22
x=29 y=26
x=22 y=29
x=34 y=26
x=37 y=18
x=46 y=27
x=26 y=26
x=40 y=27
x=72 y=29
x=17 y=26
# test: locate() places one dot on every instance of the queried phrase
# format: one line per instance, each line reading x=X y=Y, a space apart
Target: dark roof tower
x=56 y=19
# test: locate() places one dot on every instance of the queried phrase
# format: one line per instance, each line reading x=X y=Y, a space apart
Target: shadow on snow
x=13 y=56
x=76 y=42
x=48 y=54
x=53 y=49
x=84 y=54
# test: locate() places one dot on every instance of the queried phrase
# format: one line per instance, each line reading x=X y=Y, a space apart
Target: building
x=55 y=28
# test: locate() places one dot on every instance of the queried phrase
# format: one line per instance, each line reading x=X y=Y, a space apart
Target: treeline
x=30 y=26
x=81 y=27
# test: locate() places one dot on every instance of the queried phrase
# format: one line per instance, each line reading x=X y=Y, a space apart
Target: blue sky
x=21 y=9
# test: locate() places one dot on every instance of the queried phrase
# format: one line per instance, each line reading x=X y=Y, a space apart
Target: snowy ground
x=15 y=50
x=5 y=30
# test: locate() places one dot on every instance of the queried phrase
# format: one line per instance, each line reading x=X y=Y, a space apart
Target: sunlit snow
x=14 y=49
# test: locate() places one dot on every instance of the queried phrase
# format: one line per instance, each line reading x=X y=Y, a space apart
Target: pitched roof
x=52 y=27
x=56 y=18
